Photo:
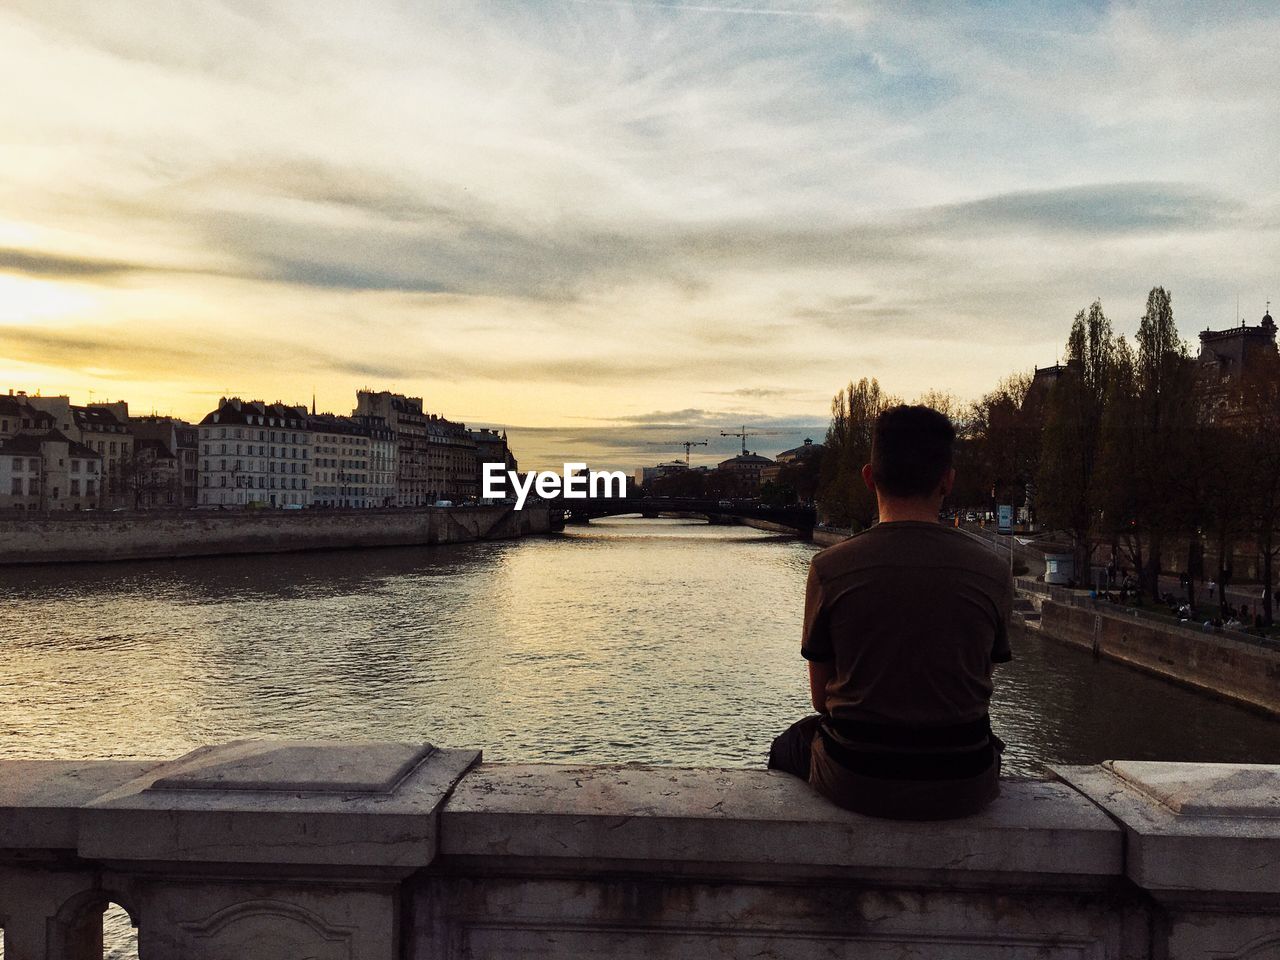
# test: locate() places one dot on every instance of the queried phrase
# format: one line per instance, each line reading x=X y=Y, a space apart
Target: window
x=89 y=488
x=33 y=465
x=75 y=466
x=75 y=488
x=17 y=487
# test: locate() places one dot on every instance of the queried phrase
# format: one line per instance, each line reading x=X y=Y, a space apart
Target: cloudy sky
x=610 y=225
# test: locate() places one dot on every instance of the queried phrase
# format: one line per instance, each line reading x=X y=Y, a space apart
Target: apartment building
x=48 y=471
x=254 y=454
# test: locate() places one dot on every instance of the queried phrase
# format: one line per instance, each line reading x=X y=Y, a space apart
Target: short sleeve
x=815 y=644
x=1000 y=650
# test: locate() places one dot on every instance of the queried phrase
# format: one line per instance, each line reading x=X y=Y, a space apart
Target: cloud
x=532 y=210
x=1093 y=209
x=40 y=264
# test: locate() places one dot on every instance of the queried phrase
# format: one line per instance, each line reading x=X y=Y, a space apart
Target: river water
x=647 y=641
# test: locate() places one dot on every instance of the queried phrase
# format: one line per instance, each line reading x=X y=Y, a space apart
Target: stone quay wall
x=267 y=850
x=110 y=537
x=830 y=536
x=770 y=527
x=1246 y=673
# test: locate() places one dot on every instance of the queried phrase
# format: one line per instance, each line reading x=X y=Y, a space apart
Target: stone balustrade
x=280 y=850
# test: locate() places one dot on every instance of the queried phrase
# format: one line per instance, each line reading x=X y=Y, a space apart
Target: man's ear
x=868 y=479
x=948 y=481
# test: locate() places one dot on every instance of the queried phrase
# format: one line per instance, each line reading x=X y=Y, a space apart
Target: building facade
x=104 y=428
x=47 y=472
x=19 y=416
x=157 y=476
x=453 y=468
x=254 y=454
x=183 y=441
x=354 y=462
x=435 y=458
x=381 y=490
x=747 y=468
x=404 y=416
x=1224 y=357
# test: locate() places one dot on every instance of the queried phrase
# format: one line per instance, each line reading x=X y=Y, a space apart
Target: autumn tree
x=845 y=499
x=1073 y=424
x=1258 y=429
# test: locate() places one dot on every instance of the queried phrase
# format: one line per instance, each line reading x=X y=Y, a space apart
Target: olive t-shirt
x=912 y=615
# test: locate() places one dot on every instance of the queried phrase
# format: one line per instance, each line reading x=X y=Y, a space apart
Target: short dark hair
x=911 y=450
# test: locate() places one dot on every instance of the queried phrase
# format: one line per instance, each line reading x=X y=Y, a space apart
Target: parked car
x=444 y=503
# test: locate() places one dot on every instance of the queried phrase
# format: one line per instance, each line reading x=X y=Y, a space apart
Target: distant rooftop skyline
x=600 y=221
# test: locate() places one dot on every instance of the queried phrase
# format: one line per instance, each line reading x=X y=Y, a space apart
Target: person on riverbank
x=903 y=623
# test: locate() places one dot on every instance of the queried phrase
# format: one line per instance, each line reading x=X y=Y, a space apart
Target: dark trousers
x=792 y=749
x=893 y=797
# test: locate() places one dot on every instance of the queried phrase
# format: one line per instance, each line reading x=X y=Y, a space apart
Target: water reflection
x=628 y=640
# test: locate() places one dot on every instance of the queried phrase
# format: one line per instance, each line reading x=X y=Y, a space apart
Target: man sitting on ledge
x=902 y=624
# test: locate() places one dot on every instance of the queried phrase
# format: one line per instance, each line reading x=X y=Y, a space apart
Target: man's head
x=911 y=452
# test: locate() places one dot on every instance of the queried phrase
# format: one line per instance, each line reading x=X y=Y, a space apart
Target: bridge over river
x=795 y=517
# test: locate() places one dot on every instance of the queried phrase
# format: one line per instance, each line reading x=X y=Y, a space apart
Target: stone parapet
x=388 y=851
x=90 y=537
x=1242 y=672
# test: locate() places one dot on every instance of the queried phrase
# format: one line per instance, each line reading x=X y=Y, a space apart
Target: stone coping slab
x=1206 y=789
x=293 y=802
x=1178 y=836
x=635 y=813
x=40 y=800
x=292 y=766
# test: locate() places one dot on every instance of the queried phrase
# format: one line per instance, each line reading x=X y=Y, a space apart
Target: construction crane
x=744 y=433
x=687 y=444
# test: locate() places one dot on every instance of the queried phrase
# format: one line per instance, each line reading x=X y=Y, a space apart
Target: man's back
x=902 y=624
x=911 y=615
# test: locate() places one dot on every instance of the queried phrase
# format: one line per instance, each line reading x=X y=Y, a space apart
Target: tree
x=1259 y=432
x=845 y=499
x=1073 y=424
x=998 y=446
x=1165 y=397
x=1115 y=488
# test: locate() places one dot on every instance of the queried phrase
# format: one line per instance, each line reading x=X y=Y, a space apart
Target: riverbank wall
x=1245 y=673
x=78 y=538
x=332 y=850
x=830 y=536
x=771 y=527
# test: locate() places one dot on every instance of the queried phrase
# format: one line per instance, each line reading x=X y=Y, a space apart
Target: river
x=628 y=640
x=649 y=641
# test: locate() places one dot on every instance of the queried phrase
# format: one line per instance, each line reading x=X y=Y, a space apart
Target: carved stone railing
x=275 y=850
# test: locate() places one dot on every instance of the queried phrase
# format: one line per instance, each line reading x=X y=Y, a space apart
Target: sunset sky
x=609 y=224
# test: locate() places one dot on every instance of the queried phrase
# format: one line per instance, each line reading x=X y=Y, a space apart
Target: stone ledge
x=40 y=800
x=1180 y=839
x=663 y=815
x=280 y=802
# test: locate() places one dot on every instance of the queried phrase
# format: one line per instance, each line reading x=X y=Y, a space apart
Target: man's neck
x=893 y=510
